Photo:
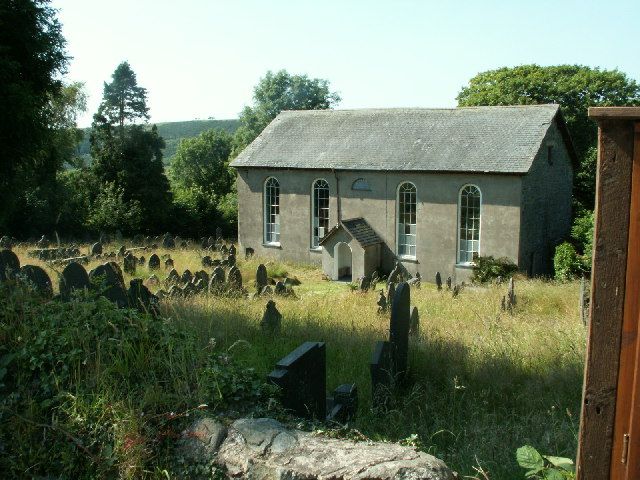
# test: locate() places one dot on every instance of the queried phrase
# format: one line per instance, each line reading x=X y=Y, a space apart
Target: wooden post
x=599 y=448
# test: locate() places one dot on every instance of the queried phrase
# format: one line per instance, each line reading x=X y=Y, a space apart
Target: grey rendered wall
x=437 y=214
x=546 y=200
x=357 y=255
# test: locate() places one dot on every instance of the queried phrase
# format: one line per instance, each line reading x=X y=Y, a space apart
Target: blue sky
x=202 y=58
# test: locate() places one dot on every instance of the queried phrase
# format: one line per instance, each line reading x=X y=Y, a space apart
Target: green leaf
x=528 y=457
x=553 y=474
x=561 y=462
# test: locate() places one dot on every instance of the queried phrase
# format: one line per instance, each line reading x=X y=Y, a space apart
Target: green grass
x=483 y=382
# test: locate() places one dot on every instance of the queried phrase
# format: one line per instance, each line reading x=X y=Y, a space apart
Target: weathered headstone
x=271 y=318
x=231 y=260
x=9 y=264
x=280 y=288
x=382 y=370
x=344 y=403
x=261 y=277
x=173 y=277
x=141 y=260
x=364 y=283
x=168 y=242
x=206 y=261
x=302 y=377
x=168 y=263
x=438 y=281
x=511 y=295
x=399 y=326
x=154 y=262
x=141 y=298
x=248 y=253
x=382 y=303
x=415 y=281
x=201 y=275
x=235 y=278
x=456 y=291
x=74 y=277
x=130 y=263
x=96 y=248
x=266 y=290
x=374 y=280
x=37 y=278
x=200 y=284
x=232 y=250
x=390 y=293
x=186 y=276
x=122 y=251
x=216 y=283
x=393 y=276
x=448 y=283
x=414 y=323
x=110 y=283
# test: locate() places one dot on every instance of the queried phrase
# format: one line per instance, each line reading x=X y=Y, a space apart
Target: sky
x=202 y=58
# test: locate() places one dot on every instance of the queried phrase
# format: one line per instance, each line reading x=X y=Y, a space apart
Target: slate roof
x=359 y=229
x=496 y=139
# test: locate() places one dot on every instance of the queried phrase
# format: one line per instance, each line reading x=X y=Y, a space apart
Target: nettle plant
x=545 y=467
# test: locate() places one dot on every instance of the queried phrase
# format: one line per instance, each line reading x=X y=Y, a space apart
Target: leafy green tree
x=110 y=211
x=32 y=58
x=574 y=87
x=128 y=155
x=277 y=92
x=123 y=100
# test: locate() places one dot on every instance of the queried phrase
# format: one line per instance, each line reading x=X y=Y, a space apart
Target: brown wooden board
x=613 y=192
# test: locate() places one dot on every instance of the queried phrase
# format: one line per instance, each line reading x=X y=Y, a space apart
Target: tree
x=277 y=92
x=574 y=88
x=123 y=100
x=128 y=157
x=32 y=57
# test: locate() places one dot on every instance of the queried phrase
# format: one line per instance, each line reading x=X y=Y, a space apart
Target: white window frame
x=397 y=223
x=316 y=245
x=459 y=225
x=267 y=233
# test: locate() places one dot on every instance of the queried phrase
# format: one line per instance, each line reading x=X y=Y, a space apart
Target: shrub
x=488 y=268
x=91 y=391
x=566 y=262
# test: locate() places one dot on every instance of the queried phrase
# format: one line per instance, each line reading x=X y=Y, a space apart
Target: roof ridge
x=419 y=109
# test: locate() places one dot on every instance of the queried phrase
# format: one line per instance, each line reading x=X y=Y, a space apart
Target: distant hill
x=172 y=132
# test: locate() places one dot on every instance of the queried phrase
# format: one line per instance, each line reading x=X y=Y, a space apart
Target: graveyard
x=459 y=375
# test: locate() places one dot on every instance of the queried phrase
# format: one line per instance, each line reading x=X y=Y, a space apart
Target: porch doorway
x=342 y=261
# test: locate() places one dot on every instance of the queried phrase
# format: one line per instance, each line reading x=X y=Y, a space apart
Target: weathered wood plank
x=613 y=192
x=619 y=113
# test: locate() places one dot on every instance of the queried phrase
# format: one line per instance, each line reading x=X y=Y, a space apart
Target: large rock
x=263 y=448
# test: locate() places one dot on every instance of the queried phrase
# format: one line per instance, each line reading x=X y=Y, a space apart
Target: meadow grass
x=482 y=382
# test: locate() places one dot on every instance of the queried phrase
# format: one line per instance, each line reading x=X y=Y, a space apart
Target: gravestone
x=343 y=405
x=301 y=375
x=141 y=298
x=235 y=278
x=271 y=318
x=280 y=288
x=110 y=283
x=216 y=284
x=168 y=263
x=232 y=250
x=511 y=294
x=141 y=260
x=438 y=281
x=206 y=261
x=374 y=280
x=364 y=283
x=394 y=275
x=188 y=290
x=74 y=277
x=204 y=243
x=266 y=290
x=122 y=251
x=173 y=277
x=382 y=303
x=201 y=275
x=96 y=248
x=231 y=260
x=448 y=283
x=168 y=242
x=153 y=280
x=186 y=276
x=118 y=236
x=415 y=281
x=248 y=253
x=200 y=284
x=9 y=265
x=261 y=277
x=456 y=291
x=37 y=278
x=223 y=249
x=414 y=328
x=130 y=263
x=174 y=292
x=154 y=262
x=399 y=327
x=382 y=370
x=390 y=293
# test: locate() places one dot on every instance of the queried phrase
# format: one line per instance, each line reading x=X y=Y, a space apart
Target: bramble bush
x=88 y=390
x=489 y=268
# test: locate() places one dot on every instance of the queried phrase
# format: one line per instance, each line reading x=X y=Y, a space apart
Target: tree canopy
x=277 y=92
x=574 y=88
x=123 y=101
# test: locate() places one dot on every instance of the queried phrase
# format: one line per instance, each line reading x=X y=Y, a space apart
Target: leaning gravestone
x=110 y=283
x=414 y=328
x=416 y=281
x=235 y=278
x=272 y=318
x=9 y=265
x=37 y=278
x=96 y=248
x=74 y=277
x=438 y=281
x=382 y=371
x=261 y=277
x=399 y=326
x=154 y=262
x=301 y=375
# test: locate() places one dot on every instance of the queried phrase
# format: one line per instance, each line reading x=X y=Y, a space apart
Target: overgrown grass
x=483 y=382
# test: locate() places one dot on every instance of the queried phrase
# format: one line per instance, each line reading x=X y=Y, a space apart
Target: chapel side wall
x=546 y=200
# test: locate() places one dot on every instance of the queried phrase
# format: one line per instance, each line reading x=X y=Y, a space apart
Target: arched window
x=469 y=227
x=271 y=211
x=320 y=212
x=407 y=220
x=360 y=184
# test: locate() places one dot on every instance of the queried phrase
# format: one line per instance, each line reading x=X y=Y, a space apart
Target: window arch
x=271 y=211
x=469 y=205
x=406 y=220
x=319 y=211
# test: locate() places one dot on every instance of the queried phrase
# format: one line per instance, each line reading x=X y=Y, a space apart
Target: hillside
x=172 y=132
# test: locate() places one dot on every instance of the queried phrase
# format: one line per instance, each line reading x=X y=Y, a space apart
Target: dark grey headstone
x=394 y=275
x=201 y=275
x=382 y=302
x=261 y=277
x=271 y=318
x=173 y=277
x=374 y=280
x=37 y=278
x=280 y=288
x=9 y=265
x=438 y=281
x=168 y=242
x=186 y=276
x=344 y=403
x=399 y=326
x=301 y=375
x=235 y=278
x=391 y=293
x=154 y=262
x=448 y=283
x=248 y=253
x=109 y=281
x=74 y=277
x=141 y=298
x=231 y=260
x=168 y=263
x=414 y=328
x=130 y=264
x=216 y=283
x=206 y=261
x=364 y=283
x=382 y=370
x=96 y=248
